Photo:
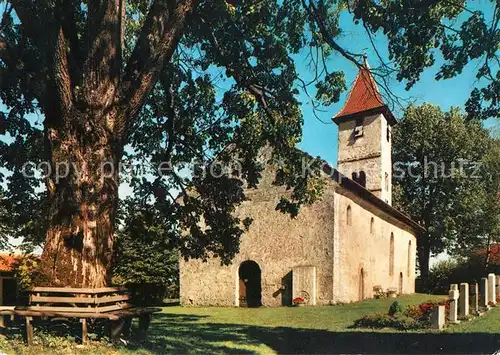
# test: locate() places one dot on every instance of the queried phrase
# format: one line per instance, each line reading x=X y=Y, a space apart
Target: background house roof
x=7 y=261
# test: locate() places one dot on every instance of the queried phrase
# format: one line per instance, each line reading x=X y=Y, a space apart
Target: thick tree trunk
x=83 y=188
x=89 y=111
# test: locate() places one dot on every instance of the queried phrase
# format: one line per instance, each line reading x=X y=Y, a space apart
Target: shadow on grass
x=185 y=334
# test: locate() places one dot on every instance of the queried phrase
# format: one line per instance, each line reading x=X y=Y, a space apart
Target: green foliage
x=422 y=312
x=441 y=28
x=441 y=180
x=26 y=270
x=382 y=320
x=447 y=272
x=395 y=308
x=414 y=317
x=145 y=258
x=225 y=86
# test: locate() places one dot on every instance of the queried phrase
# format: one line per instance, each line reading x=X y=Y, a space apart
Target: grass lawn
x=286 y=330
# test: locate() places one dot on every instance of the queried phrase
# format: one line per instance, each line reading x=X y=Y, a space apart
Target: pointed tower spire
x=364 y=98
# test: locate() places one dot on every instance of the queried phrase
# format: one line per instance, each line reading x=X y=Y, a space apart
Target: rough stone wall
x=318 y=237
x=370 y=153
x=277 y=244
x=359 y=248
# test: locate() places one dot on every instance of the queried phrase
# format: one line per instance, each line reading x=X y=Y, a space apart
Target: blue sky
x=321 y=139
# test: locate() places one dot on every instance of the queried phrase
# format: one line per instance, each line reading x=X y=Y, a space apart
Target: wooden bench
x=112 y=303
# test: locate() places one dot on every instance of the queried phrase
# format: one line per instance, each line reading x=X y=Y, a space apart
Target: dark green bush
x=144 y=259
x=395 y=308
x=374 y=320
x=447 y=272
x=403 y=322
x=382 y=320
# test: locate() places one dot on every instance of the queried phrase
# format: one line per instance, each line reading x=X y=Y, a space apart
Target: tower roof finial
x=365 y=58
x=364 y=97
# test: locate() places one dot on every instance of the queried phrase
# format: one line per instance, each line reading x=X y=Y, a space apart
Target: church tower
x=365 y=124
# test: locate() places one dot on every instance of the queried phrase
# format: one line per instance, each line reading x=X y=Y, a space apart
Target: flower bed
x=414 y=317
x=383 y=320
x=422 y=312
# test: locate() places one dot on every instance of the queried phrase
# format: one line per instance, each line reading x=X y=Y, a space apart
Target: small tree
x=145 y=258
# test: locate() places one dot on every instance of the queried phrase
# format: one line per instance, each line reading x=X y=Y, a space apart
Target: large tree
x=89 y=84
x=445 y=175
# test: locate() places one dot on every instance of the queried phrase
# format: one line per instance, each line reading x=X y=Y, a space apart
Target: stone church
x=338 y=249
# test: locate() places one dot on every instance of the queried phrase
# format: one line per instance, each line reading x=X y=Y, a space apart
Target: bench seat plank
x=102 y=309
x=136 y=311
x=28 y=313
x=91 y=291
x=108 y=299
x=56 y=299
x=113 y=315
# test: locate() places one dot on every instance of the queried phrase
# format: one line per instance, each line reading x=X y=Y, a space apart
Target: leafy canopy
x=229 y=89
x=445 y=175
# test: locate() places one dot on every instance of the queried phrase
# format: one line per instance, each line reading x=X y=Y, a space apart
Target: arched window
x=391 y=256
x=386 y=182
x=372 y=225
x=349 y=215
x=388 y=133
x=354 y=176
x=409 y=259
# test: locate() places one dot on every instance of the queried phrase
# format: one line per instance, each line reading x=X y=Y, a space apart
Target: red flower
x=298 y=300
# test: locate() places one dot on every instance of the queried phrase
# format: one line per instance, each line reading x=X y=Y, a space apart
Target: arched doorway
x=362 y=284
x=250 y=291
x=400 y=283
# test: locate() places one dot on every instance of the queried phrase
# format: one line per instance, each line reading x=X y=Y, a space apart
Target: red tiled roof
x=7 y=261
x=364 y=96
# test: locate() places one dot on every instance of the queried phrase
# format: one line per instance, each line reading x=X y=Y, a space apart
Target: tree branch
x=69 y=26
x=61 y=74
x=171 y=113
x=154 y=48
x=102 y=65
x=32 y=78
x=313 y=14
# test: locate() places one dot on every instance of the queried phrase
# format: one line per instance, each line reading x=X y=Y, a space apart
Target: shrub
x=447 y=272
x=406 y=323
x=374 y=320
x=144 y=258
x=395 y=308
x=414 y=317
x=413 y=311
x=382 y=320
